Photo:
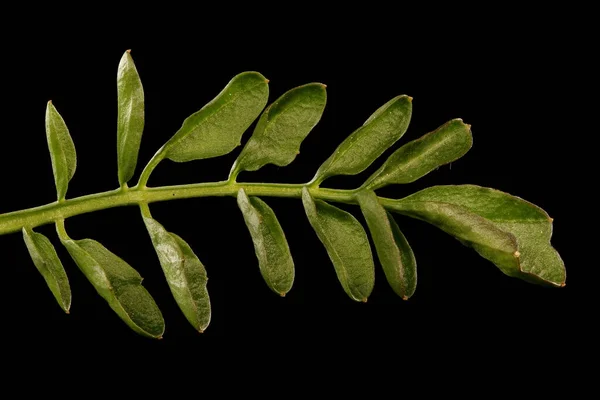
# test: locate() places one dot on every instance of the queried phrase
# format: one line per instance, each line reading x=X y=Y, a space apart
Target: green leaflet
x=382 y=108
x=282 y=127
x=346 y=243
x=130 y=121
x=46 y=260
x=184 y=272
x=418 y=158
x=393 y=250
x=519 y=227
x=271 y=247
x=218 y=127
x=472 y=230
x=368 y=142
x=62 y=150
x=119 y=284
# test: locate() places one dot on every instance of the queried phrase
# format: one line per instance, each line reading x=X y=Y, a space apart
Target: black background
x=511 y=84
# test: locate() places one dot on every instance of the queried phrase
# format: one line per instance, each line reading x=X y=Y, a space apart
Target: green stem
x=145 y=210
x=53 y=212
x=235 y=171
x=60 y=229
x=154 y=161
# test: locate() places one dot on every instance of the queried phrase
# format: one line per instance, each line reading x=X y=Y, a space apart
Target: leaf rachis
x=508 y=231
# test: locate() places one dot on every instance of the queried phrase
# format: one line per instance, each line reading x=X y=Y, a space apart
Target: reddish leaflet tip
x=128 y=51
x=267 y=81
x=282 y=294
x=550 y=219
x=405 y=297
x=563 y=284
x=67 y=312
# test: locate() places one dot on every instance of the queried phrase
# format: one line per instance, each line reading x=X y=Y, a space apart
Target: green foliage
x=46 y=260
x=282 y=127
x=218 y=127
x=130 y=117
x=184 y=272
x=394 y=252
x=119 y=284
x=346 y=243
x=62 y=150
x=418 y=158
x=510 y=232
x=271 y=247
x=507 y=230
x=368 y=142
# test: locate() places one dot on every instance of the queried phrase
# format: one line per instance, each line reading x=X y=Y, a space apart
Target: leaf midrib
x=500 y=221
